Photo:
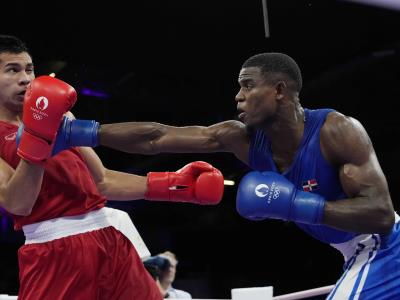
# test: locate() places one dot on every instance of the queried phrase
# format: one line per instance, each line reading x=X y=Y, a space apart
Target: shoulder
x=230 y=133
x=338 y=126
x=344 y=139
x=230 y=127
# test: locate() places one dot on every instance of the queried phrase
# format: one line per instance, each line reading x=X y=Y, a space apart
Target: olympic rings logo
x=277 y=191
x=37 y=116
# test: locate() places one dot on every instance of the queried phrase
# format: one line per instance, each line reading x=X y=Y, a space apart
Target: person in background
x=156 y=266
x=167 y=277
x=163 y=269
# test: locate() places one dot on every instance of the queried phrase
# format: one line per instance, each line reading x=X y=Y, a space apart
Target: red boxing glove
x=197 y=182
x=46 y=101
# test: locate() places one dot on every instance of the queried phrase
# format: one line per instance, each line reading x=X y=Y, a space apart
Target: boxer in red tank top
x=72 y=249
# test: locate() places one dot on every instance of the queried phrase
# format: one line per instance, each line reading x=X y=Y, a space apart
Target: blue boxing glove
x=270 y=195
x=72 y=133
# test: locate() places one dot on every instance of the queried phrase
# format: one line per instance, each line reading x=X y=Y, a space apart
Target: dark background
x=177 y=62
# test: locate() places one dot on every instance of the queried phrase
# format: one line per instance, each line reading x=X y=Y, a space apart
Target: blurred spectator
x=163 y=269
x=156 y=265
x=167 y=277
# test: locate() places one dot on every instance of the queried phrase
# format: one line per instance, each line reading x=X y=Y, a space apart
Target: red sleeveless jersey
x=68 y=188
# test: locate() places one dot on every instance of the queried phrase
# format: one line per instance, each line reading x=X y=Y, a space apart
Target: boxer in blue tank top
x=317 y=168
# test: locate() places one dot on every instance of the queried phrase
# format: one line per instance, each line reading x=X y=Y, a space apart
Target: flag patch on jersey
x=310 y=185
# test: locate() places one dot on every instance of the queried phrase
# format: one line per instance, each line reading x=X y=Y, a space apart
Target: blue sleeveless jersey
x=308 y=172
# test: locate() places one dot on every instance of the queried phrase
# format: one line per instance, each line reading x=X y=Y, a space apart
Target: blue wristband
x=84 y=133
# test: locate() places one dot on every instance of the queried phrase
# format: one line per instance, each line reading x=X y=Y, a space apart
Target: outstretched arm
x=369 y=208
x=197 y=182
x=113 y=184
x=152 y=138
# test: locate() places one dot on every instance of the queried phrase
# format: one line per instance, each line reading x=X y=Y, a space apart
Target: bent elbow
x=387 y=224
x=386 y=221
x=22 y=211
x=105 y=183
x=102 y=188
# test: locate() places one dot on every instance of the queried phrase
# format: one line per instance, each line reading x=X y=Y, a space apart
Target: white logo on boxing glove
x=261 y=190
x=42 y=103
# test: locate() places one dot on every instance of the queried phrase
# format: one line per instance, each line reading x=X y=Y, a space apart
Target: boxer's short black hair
x=277 y=66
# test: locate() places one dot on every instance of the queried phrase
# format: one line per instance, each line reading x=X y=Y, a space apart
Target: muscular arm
x=112 y=184
x=19 y=188
x=153 y=138
x=369 y=208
